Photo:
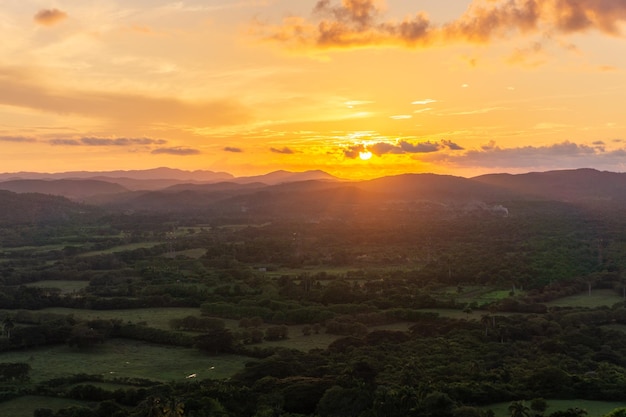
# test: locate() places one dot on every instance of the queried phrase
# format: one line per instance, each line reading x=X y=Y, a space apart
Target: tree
x=7 y=326
x=174 y=408
x=538 y=406
x=216 y=341
x=519 y=409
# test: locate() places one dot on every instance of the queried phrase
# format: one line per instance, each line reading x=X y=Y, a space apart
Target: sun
x=365 y=155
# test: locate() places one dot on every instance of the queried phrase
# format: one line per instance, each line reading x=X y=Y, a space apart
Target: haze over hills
x=283 y=190
x=158 y=178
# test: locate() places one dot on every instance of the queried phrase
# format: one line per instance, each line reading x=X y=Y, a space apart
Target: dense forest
x=404 y=305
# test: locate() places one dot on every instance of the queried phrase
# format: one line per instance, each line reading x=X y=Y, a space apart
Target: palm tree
x=174 y=408
x=150 y=407
x=519 y=409
x=7 y=326
x=486 y=321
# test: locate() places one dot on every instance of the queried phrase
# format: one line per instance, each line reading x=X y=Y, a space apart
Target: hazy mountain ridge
x=318 y=191
x=73 y=189
x=564 y=185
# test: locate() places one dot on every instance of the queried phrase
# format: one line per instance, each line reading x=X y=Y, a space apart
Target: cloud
x=361 y=23
x=179 y=151
x=17 y=139
x=49 y=17
x=232 y=149
x=90 y=141
x=353 y=151
x=423 y=147
x=20 y=90
x=284 y=150
x=425 y=101
x=402 y=147
x=559 y=155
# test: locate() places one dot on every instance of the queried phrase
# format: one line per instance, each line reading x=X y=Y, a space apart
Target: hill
x=34 y=208
x=73 y=189
x=564 y=185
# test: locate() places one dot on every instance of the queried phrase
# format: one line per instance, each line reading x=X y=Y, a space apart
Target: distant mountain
x=284 y=190
x=161 y=178
x=146 y=174
x=73 y=189
x=278 y=177
x=434 y=187
x=563 y=185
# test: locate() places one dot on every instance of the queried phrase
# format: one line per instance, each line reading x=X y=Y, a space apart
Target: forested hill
x=75 y=189
x=564 y=185
x=315 y=192
x=33 y=208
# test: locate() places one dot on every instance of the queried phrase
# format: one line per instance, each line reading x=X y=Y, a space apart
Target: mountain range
x=173 y=189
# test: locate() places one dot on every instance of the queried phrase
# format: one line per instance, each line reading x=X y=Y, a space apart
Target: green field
x=196 y=253
x=66 y=287
x=593 y=408
x=598 y=298
x=26 y=406
x=124 y=358
x=122 y=248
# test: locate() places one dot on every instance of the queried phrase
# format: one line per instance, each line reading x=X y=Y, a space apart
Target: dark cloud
x=357 y=23
x=233 y=149
x=90 y=141
x=382 y=148
x=65 y=142
x=402 y=147
x=451 y=145
x=422 y=147
x=17 y=139
x=353 y=152
x=176 y=151
x=560 y=155
x=284 y=150
x=121 y=141
x=49 y=17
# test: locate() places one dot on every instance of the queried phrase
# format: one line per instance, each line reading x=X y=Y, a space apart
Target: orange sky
x=252 y=86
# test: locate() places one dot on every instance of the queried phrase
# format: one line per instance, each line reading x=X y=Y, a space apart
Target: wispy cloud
x=425 y=101
x=20 y=90
x=284 y=150
x=179 y=151
x=362 y=23
x=233 y=149
x=49 y=17
x=17 y=139
x=91 y=141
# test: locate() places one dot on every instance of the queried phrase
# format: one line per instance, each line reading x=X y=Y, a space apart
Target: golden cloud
x=49 y=17
x=361 y=23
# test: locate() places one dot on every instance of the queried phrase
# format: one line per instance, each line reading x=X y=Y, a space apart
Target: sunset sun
x=365 y=155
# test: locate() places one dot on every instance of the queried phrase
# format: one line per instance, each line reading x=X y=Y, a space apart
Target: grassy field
x=122 y=248
x=66 y=287
x=598 y=298
x=124 y=358
x=189 y=253
x=26 y=406
x=594 y=408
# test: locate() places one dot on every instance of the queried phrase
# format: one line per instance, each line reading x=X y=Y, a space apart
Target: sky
x=357 y=88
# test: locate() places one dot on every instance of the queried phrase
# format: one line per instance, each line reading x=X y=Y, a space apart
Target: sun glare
x=365 y=155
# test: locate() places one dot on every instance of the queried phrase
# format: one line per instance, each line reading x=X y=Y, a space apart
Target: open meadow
x=125 y=359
